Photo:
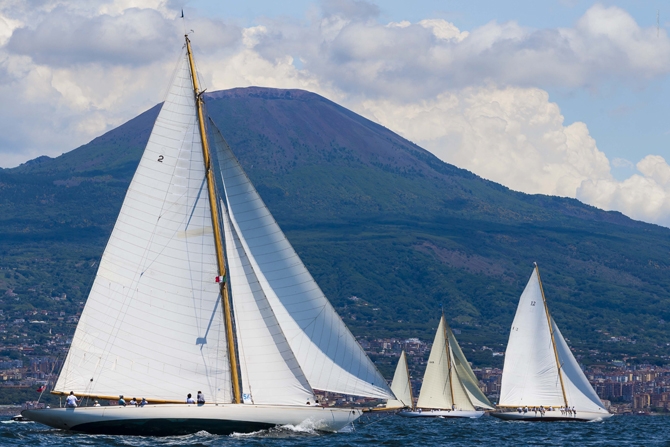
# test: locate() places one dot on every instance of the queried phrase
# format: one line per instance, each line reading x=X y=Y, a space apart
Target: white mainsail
x=531 y=375
x=401 y=385
x=270 y=373
x=152 y=326
x=443 y=387
x=328 y=354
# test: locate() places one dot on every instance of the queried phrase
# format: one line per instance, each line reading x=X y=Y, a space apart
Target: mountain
x=391 y=233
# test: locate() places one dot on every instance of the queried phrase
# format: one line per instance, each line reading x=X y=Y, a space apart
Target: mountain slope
x=374 y=217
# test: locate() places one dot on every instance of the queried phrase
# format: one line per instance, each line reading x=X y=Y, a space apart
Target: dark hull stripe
x=169 y=427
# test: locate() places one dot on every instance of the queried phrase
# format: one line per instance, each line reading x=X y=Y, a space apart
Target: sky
x=560 y=97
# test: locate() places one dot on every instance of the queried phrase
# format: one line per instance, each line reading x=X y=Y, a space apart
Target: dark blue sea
x=384 y=430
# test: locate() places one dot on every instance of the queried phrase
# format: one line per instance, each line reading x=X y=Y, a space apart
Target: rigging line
x=50 y=377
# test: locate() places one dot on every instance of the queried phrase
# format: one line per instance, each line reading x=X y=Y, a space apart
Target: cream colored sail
x=270 y=373
x=152 y=326
x=466 y=376
x=441 y=388
x=328 y=354
x=401 y=385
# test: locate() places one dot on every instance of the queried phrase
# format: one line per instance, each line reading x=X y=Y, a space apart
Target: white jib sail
x=329 y=355
x=401 y=386
x=530 y=374
x=152 y=326
x=436 y=389
x=579 y=392
x=465 y=374
x=270 y=373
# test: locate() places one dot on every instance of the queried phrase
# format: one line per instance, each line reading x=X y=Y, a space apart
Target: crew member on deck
x=201 y=398
x=189 y=399
x=122 y=402
x=71 y=401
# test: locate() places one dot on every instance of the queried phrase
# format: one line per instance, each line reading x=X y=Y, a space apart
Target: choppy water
x=384 y=431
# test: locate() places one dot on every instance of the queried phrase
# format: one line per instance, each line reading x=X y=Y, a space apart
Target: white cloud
x=645 y=196
x=476 y=98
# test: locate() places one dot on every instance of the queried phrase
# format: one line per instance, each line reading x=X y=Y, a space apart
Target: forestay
x=530 y=374
x=329 y=355
x=270 y=373
x=401 y=386
x=152 y=326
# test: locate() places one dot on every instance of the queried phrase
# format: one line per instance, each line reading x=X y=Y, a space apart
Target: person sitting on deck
x=122 y=402
x=96 y=403
x=200 y=398
x=143 y=402
x=189 y=399
x=133 y=402
x=71 y=401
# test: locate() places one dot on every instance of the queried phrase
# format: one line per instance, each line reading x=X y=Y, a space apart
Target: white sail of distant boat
x=172 y=312
x=450 y=387
x=541 y=378
x=401 y=386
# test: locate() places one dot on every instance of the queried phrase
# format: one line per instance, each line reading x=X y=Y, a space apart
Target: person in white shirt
x=96 y=404
x=189 y=399
x=71 y=401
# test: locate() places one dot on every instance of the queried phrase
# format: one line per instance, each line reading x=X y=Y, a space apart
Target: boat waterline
x=442 y=414
x=550 y=416
x=181 y=419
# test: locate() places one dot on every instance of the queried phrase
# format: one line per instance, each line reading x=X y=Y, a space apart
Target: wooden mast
x=551 y=331
x=409 y=383
x=217 y=230
x=446 y=343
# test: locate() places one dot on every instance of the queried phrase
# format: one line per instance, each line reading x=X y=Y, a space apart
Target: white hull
x=442 y=414
x=548 y=416
x=178 y=419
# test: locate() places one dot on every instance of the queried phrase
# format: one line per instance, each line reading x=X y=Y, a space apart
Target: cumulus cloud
x=476 y=98
x=645 y=195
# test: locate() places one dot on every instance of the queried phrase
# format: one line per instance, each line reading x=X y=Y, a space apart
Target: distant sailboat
x=541 y=379
x=450 y=388
x=401 y=386
x=171 y=312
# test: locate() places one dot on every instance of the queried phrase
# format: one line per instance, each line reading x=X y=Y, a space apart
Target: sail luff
x=449 y=361
x=409 y=383
x=551 y=332
x=232 y=356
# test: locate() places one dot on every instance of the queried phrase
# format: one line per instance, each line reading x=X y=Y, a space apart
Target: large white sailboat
x=172 y=312
x=450 y=388
x=541 y=379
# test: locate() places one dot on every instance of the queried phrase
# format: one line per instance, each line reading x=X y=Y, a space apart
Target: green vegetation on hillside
x=373 y=217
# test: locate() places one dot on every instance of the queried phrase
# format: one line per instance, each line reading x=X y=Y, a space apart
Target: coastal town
x=624 y=387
